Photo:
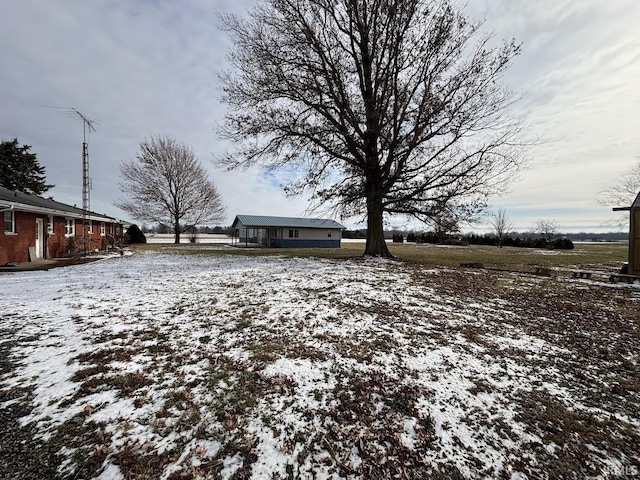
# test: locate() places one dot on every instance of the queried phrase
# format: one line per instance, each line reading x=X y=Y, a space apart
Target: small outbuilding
x=287 y=232
x=634 y=236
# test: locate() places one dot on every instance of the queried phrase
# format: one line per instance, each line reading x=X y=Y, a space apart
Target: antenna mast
x=87 y=127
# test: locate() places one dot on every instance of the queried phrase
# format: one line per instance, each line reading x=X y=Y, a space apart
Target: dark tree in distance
x=166 y=184
x=380 y=106
x=20 y=169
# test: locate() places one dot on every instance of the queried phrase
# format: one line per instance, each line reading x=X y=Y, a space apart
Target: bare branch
x=383 y=107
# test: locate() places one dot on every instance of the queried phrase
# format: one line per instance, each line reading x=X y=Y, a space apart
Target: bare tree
x=547 y=228
x=380 y=107
x=501 y=224
x=622 y=192
x=167 y=185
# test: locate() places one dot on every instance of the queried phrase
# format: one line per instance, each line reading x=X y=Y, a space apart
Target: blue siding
x=286 y=243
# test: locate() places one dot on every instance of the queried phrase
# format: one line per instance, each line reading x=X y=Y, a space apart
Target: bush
x=135 y=235
x=563 y=244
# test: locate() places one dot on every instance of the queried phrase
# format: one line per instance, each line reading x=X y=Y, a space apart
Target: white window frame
x=69 y=227
x=50 y=225
x=12 y=214
x=90 y=227
x=102 y=229
x=294 y=233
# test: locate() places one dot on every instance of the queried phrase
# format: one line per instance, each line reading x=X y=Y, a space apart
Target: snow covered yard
x=194 y=366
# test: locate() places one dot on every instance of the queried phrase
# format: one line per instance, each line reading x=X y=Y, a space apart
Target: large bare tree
x=548 y=228
x=167 y=184
x=377 y=106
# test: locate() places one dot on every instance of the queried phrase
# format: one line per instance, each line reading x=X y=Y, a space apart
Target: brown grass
x=609 y=256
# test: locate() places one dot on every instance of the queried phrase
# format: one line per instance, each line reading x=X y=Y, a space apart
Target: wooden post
x=634 y=241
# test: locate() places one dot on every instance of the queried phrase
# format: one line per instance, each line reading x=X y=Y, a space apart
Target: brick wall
x=15 y=247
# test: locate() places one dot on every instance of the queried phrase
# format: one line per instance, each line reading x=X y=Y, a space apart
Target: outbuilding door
x=39 y=237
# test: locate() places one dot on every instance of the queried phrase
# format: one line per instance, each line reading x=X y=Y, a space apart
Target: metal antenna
x=87 y=128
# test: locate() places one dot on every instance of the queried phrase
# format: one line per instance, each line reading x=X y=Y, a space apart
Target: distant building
x=37 y=227
x=287 y=232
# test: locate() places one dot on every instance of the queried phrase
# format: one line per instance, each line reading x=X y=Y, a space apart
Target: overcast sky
x=147 y=67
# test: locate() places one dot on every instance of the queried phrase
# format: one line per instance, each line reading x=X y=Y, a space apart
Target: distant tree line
x=161 y=228
x=525 y=240
x=355 y=234
x=517 y=241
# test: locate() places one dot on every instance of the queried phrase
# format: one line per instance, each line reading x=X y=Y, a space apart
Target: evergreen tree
x=20 y=170
x=135 y=235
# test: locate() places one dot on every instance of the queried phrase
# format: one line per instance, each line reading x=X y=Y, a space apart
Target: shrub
x=135 y=235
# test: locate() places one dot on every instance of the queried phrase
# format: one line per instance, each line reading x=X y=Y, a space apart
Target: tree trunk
x=176 y=233
x=376 y=246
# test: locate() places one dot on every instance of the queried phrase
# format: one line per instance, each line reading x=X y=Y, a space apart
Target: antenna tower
x=87 y=128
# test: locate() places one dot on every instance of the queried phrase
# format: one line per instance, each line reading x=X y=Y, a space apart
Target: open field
x=603 y=256
x=195 y=363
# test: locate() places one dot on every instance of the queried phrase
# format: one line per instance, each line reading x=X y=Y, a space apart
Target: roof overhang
x=5 y=206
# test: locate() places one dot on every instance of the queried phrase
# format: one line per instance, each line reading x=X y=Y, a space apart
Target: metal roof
x=258 y=221
x=25 y=201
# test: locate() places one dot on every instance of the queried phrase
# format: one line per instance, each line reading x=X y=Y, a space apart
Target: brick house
x=37 y=227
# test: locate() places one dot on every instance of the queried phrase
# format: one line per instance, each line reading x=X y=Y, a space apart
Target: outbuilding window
x=9 y=221
x=293 y=233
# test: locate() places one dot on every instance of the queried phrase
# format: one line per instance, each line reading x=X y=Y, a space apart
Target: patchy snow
x=289 y=367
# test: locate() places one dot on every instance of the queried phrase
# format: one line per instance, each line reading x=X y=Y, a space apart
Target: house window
x=90 y=227
x=102 y=229
x=293 y=233
x=329 y=234
x=69 y=227
x=50 y=225
x=10 y=221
